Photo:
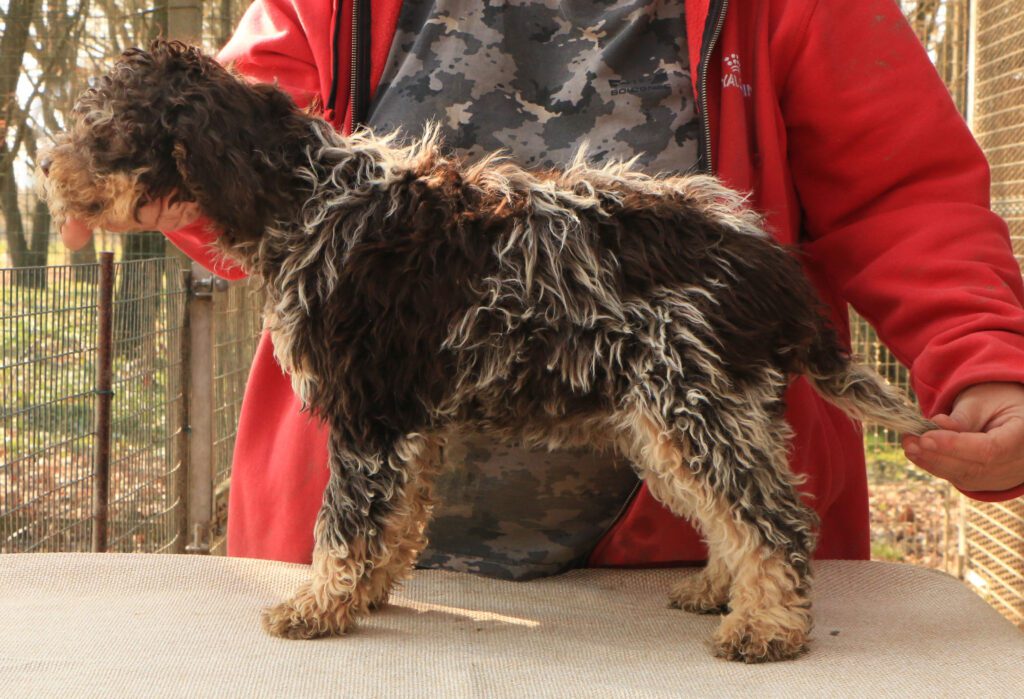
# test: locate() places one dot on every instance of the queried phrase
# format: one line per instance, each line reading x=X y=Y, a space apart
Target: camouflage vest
x=537 y=78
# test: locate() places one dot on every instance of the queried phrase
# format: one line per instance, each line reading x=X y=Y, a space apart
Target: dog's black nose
x=44 y=165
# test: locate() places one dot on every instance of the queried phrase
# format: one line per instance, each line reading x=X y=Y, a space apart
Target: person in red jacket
x=829 y=113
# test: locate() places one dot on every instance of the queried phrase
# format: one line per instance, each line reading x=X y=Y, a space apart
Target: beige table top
x=82 y=625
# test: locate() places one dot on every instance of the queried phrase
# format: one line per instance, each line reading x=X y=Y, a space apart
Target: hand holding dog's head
x=171 y=124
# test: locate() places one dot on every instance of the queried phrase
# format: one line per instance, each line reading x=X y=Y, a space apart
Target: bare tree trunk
x=14 y=230
x=13 y=45
x=86 y=256
x=226 y=23
x=38 y=246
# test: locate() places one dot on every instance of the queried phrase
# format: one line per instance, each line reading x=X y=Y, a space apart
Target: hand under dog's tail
x=861 y=392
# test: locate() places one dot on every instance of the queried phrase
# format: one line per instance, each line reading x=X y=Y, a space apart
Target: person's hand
x=980 y=444
x=159 y=215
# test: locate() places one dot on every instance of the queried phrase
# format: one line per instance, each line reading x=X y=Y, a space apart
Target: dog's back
x=505 y=297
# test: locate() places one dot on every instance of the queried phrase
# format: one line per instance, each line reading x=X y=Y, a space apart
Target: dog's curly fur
x=410 y=293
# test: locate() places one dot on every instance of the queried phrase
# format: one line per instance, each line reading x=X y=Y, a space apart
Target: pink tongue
x=75 y=234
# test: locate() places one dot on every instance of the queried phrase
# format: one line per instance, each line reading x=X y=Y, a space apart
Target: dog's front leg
x=368 y=533
x=329 y=602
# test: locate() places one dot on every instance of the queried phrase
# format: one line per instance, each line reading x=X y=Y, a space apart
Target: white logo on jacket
x=733 y=75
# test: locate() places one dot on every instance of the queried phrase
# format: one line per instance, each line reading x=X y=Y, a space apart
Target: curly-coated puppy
x=410 y=293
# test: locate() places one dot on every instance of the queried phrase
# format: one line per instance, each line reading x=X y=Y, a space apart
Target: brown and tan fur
x=410 y=294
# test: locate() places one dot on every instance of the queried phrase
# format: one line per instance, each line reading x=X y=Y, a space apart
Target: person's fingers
x=75 y=234
x=158 y=215
x=119 y=227
x=147 y=218
x=180 y=214
x=965 y=475
x=998 y=445
x=980 y=444
x=912 y=443
x=973 y=461
x=946 y=422
x=970 y=413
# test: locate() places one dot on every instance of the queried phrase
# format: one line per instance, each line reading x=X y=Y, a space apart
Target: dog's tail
x=857 y=390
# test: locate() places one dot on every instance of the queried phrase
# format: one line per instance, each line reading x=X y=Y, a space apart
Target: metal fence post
x=182 y=440
x=185 y=20
x=194 y=481
x=104 y=393
x=200 y=407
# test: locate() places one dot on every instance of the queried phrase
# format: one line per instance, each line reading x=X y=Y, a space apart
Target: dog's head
x=171 y=121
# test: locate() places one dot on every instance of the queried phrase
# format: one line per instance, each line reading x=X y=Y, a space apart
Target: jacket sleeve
x=270 y=44
x=895 y=193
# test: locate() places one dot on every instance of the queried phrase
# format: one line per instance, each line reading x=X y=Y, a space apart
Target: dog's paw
x=699 y=595
x=295 y=620
x=748 y=640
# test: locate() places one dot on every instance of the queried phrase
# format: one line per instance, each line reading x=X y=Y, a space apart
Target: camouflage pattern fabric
x=540 y=77
x=537 y=78
x=514 y=513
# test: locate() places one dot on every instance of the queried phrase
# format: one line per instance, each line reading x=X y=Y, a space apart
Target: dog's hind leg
x=724 y=466
x=367 y=535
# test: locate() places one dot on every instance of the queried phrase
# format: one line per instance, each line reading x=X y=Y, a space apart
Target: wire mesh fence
x=998 y=107
x=238 y=322
x=146 y=412
x=48 y=361
x=48 y=54
x=47 y=408
x=994 y=537
x=237 y=325
x=995 y=555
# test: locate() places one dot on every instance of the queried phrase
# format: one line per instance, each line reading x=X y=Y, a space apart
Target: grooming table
x=114 y=625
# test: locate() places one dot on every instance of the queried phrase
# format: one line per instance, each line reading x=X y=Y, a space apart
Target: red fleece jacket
x=830 y=113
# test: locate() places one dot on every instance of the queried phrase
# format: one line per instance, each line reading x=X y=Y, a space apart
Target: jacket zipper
x=707 y=165
x=359 y=82
x=359 y=67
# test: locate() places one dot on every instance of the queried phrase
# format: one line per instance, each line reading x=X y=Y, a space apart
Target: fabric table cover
x=122 y=625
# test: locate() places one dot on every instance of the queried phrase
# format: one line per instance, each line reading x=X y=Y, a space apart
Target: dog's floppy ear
x=234 y=144
x=213 y=156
